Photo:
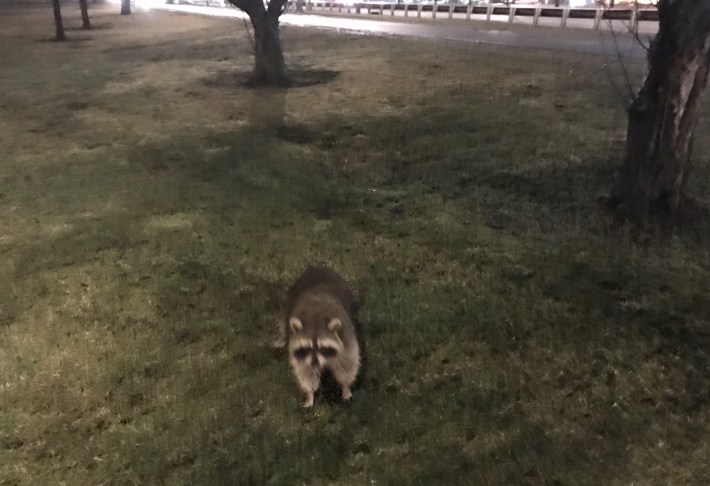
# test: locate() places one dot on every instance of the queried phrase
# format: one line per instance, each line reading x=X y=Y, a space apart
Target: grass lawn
x=153 y=211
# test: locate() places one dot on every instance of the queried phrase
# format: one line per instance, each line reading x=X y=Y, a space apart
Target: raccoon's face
x=316 y=351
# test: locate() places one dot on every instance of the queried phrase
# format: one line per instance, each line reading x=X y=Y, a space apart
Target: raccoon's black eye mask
x=326 y=352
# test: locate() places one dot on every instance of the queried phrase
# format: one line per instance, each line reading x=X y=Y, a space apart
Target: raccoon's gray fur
x=318 y=331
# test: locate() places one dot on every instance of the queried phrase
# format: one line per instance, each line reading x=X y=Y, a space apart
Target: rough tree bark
x=84 y=5
x=269 y=64
x=125 y=7
x=58 y=22
x=663 y=116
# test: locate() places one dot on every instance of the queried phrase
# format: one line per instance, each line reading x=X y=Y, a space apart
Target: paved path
x=575 y=40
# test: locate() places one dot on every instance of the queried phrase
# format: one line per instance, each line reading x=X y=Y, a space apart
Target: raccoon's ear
x=295 y=324
x=335 y=324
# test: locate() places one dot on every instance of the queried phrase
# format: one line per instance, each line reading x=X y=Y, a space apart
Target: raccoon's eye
x=302 y=353
x=328 y=352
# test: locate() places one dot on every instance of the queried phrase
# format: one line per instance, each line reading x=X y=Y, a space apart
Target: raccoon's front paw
x=347 y=394
x=309 y=401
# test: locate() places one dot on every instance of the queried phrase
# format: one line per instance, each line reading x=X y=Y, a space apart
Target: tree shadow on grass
x=70 y=41
x=97 y=26
x=301 y=78
x=471 y=159
x=583 y=189
x=557 y=185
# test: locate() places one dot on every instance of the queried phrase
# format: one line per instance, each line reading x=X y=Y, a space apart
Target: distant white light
x=141 y=4
x=145 y=4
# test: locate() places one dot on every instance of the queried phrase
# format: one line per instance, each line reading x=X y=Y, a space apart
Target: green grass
x=154 y=210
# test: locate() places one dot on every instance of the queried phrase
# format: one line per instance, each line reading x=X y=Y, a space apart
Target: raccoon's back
x=322 y=279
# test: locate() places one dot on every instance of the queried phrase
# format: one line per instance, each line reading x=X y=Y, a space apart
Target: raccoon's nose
x=314 y=361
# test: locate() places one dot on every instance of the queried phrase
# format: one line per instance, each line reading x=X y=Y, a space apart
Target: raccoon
x=318 y=331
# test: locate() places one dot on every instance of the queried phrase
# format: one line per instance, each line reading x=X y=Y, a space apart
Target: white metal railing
x=433 y=10
x=472 y=11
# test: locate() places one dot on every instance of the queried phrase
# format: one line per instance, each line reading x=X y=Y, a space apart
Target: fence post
x=434 y=8
x=406 y=10
x=419 y=10
x=489 y=11
x=392 y=9
x=381 y=10
x=331 y=5
x=469 y=9
x=536 y=18
x=634 y=20
x=565 y=14
x=511 y=14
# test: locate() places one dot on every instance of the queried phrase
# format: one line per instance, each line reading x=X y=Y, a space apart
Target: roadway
x=583 y=41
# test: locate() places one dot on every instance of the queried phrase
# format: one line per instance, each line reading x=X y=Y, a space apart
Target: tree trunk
x=661 y=120
x=84 y=5
x=125 y=7
x=269 y=64
x=58 y=23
